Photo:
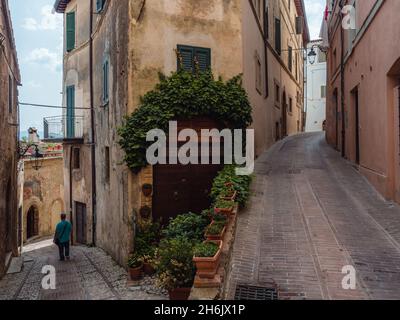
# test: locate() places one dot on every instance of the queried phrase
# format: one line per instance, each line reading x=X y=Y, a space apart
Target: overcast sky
x=38 y=34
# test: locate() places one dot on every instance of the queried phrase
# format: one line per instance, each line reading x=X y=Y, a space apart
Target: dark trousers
x=64 y=250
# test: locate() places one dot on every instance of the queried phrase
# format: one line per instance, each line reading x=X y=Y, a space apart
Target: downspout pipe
x=93 y=132
x=71 y=154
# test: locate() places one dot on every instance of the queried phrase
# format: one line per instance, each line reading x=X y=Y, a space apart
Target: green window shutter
x=70 y=31
x=70 y=125
x=100 y=5
x=187 y=58
x=106 y=73
x=190 y=56
x=203 y=58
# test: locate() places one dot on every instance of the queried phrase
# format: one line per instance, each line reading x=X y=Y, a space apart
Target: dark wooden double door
x=180 y=189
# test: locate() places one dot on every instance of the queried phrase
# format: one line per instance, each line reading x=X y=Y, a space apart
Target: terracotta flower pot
x=148 y=269
x=179 y=294
x=208 y=267
x=216 y=237
x=226 y=211
x=232 y=197
x=136 y=273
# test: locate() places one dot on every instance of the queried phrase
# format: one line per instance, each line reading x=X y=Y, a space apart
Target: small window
x=290 y=58
x=193 y=58
x=107 y=165
x=77 y=158
x=258 y=74
x=10 y=94
x=321 y=56
x=277 y=93
x=278 y=40
x=290 y=105
x=106 y=86
x=100 y=5
x=323 y=92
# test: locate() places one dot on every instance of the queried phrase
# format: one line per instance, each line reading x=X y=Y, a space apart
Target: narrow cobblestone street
x=310 y=215
x=89 y=275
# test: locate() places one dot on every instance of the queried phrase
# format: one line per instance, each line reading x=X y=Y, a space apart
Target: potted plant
x=216 y=231
x=135 y=265
x=147 y=189
x=207 y=256
x=228 y=194
x=175 y=267
x=224 y=206
x=190 y=226
x=220 y=218
x=148 y=260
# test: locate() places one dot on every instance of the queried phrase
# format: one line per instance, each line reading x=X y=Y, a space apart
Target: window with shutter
x=106 y=75
x=191 y=58
x=100 y=5
x=290 y=58
x=278 y=40
x=70 y=125
x=70 y=29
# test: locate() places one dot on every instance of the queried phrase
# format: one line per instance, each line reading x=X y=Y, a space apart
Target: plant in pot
x=190 y=226
x=220 y=218
x=207 y=256
x=224 y=207
x=175 y=267
x=135 y=265
x=228 y=194
x=148 y=261
x=216 y=230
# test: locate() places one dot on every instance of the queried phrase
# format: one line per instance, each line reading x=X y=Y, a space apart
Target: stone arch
x=32 y=207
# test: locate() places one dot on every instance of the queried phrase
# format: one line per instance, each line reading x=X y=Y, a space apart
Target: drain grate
x=255 y=293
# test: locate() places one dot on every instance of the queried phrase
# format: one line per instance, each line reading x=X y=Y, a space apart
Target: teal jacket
x=64 y=234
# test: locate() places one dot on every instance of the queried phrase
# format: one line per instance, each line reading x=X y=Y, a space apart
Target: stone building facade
x=363 y=89
x=114 y=51
x=43 y=198
x=9 y=80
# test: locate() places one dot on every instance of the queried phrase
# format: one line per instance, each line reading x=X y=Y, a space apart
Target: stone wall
x=43 y=196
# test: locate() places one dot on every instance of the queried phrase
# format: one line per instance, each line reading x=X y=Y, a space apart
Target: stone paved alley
x=89 y=275
x=311 y=214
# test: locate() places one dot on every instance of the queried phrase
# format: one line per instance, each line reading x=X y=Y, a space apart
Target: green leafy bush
x=220 y=218
x=147 y=237
x=183 y=95
x=241 y=184
x=174 y=264
x=215 y=229
x=206 y=250
x=224 y=204
x=190 y=226
x=134 y=261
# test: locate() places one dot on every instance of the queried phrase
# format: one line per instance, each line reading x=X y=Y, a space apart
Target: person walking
x=62 y=237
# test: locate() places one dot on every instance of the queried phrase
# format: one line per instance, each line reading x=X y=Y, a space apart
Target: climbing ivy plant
x=183 y=95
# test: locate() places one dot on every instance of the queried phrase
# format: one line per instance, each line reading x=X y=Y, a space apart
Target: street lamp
x=37 y=159
x=312 y=55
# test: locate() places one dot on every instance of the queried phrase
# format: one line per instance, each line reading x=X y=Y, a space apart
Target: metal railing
x=63 y=127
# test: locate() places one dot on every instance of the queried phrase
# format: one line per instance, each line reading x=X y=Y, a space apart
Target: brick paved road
x=312 y=213
x=90 y=275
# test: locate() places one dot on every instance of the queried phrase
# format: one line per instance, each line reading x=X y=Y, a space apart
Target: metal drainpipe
x=93 y=145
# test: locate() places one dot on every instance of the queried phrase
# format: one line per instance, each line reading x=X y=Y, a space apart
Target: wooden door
x=80 y=221
x=180 y=189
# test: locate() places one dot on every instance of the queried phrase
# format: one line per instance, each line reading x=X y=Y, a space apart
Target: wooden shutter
x=70 y=112
x=70 y=31
x=106 y=81
x=187 y=57
x=100 y=5
x=203 y=58
x=278 y=41
x=290 y=58
x=266 y=20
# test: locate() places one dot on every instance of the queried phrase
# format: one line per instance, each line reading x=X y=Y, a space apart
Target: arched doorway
x=284 y=115
x=32 y=223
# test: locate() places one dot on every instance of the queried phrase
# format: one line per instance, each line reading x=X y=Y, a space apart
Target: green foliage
x=190 y=226
x=183 y=95
x=220 y=218
x=147 y=237
x=224 y=204
x=239 y=183
x=215 y=228
x=134 y=261
x=174 y=264
x=206 y=250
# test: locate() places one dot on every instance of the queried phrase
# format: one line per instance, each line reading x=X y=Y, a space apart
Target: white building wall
x=315 y=101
